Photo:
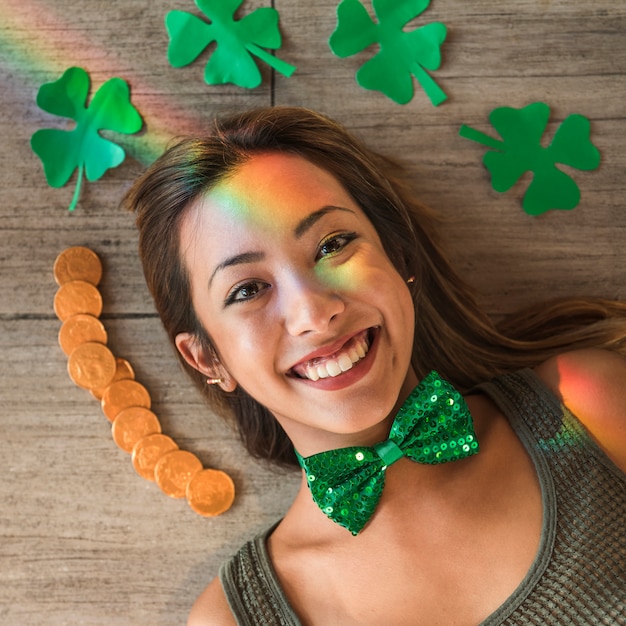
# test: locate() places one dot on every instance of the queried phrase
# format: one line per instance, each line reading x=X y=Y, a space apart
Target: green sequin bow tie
x=433 y=426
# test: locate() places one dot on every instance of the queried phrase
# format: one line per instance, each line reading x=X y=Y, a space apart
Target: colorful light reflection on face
x=284 y=267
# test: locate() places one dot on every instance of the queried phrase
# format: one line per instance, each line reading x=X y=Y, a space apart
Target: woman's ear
x=204 y=361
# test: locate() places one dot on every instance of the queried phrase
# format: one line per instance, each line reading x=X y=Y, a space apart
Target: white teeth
x=333 y=367
x=322 y=372
x=339 y=364
x=344 y=362
x=354 y=355
x=311 y=373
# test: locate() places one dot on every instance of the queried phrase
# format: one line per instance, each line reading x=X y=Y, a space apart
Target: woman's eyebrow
x=238 y=259
x=306 y=223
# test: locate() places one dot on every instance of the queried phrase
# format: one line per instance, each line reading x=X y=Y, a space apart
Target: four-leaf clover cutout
x=237 y=41
x=520 y=151
x=402 y=54
x=62 y=151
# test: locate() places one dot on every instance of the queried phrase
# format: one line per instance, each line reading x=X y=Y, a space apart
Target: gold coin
x=210 y=492
x=91 y=365
x=147 y=452
x=77 y=263
x=174 y=470
x=122 y=394
x=78 y=329
x=123 y=371
x=132 y=424
x=75 y=297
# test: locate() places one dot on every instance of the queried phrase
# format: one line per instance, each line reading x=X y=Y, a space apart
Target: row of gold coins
x=125 y=402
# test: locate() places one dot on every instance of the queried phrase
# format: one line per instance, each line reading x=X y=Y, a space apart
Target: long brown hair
x=453 y=335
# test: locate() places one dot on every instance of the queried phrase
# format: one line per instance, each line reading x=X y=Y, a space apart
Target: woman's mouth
x=336 y=364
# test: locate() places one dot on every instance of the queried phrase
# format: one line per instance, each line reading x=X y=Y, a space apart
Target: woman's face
x=290 y=280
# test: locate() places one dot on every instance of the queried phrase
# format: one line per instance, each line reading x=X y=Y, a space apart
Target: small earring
x=214 y=381
x=410 y=280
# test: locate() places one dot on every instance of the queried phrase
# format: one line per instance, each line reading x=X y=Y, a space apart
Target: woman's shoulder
x=211 y=608
x=591 y=383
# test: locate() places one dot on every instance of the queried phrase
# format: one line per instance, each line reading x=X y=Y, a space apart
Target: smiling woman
x=295 y=277
x=295 y=272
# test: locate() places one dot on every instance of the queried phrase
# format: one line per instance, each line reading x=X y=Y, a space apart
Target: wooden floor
x=84 y=539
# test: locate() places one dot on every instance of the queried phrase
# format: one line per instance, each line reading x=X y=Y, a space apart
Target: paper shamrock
x=237 y=41
x=62 y=151
x=402 y=54
x=520 y=151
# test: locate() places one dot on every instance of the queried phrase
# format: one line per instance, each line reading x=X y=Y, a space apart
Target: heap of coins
x=124 y=401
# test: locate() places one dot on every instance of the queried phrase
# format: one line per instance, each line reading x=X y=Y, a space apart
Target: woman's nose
x=310 y=307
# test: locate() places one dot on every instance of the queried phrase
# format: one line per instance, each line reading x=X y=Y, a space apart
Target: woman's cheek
x=347 y=277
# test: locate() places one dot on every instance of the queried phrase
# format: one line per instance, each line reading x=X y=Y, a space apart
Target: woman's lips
x=340 y=361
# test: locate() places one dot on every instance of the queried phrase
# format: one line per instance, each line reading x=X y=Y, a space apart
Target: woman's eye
x=247 y=291
x=334 y=244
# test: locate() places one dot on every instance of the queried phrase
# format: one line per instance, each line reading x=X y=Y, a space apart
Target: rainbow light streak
x=36 y=47
x=264 y=215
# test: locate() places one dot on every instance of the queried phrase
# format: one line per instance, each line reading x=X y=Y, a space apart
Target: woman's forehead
x=272 y=192
x=271 y=200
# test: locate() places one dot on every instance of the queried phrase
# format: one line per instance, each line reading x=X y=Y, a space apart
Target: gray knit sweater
x=579 y=573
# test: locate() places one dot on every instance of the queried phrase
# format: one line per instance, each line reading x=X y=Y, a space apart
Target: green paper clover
x=401 y=55
x=521 y=151
x=237 y=41
x=62 y=151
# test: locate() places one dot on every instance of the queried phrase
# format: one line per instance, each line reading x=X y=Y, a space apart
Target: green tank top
x=579 y=573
